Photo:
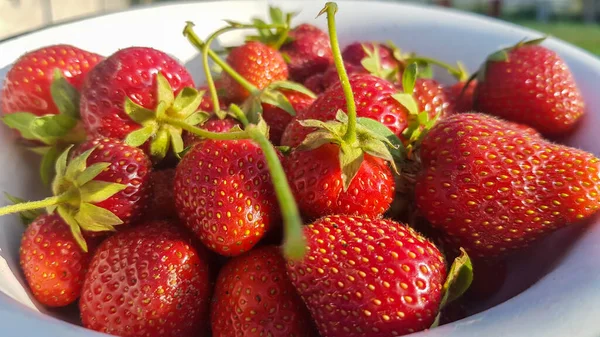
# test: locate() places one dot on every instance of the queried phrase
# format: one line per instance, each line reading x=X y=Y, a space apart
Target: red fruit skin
x=493 y=189
x=431 y=97
x=315 y=84
x=147 y=281
x=254 y=297
x=224 y=194
x=27 y=84
x=368 y=277
x=373 y=98
x=460 y=103
x=258 y=63
x=309 y=52
x=315 y=178
x=354 y=53
x=213 y=124
x=331 y=76
x=53 y=263
x=129 y=72
x=278 y=119
x=161 y=203
x=534 y=87
x=129 y=166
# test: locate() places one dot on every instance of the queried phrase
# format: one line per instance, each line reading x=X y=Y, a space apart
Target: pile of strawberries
x=304 y=190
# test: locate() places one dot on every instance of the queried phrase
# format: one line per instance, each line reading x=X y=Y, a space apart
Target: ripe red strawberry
x=530 y=84
x=149 y=280
x=162 y=202
x=360 y=58
x=331 y=77
x=460 y=103
x=432 y=97
x=258 y=63
x=130 y=167
x=53 y=264
x=254 y=297
x=129 y=72
x=368 y=277
x=27 y=84
x=315 y=82
x=315 y=177
x=308 y=52
x=492 y=188
x=356 y=52
x=126 y=96
x=224 y=194
x=278 y=119
x=373 y=98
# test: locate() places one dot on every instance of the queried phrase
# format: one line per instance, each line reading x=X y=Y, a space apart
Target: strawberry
x=278 y=119
x=40 y=100
x=224 y=194
x=315 y=84
x=134 y=95
x=128 y=167
x=365 y=58
x=53 y=264
x=149 y=280
x=254 y=297
x=530 y=84
x=315 y=177
x=374 y=100
x=355 y=53
x=431 y=97
x=308 y=52
x=368 y=277
x=162 y=202
x=492 y=188
x=28 y=82
x=256 y=62
x=105 y=184
x=461 y=101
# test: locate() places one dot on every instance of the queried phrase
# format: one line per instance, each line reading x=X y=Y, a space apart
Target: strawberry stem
x=458 y=72
x=31 y=205
x=203 y=133
x=294 y=244
x=284 y=35
x=197 y=42
x=331 y=8
x=239 y=114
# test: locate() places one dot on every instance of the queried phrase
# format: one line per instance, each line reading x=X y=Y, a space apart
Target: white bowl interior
x=563 y=301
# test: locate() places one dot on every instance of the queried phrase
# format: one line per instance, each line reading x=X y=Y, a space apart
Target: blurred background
x=576 y=21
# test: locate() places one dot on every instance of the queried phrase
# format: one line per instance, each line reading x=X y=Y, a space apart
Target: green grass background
x=586 y=36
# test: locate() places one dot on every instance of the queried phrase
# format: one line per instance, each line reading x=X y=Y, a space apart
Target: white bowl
x=565 y=300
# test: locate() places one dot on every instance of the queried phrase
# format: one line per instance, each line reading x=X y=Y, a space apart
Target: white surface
x=564 y=302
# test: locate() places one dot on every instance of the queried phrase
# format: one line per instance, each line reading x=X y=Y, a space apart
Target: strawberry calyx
x=457 y=282
x=459 y=71
x=252 y=107
x=354 y=136
x=273 y=37
x=419 y=122
x=502 y=56
x=372 y=63
x=372 y=138
x=75 y=193
x=51 y=134
x=154 y=126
